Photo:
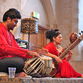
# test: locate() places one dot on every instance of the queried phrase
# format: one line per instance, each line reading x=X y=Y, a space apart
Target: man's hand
x=34 y=54
x=42 y=51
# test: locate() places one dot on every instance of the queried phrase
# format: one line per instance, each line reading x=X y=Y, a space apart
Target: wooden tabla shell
x=42 y=65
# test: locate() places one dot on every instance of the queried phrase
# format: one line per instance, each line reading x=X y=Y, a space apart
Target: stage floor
x=52 y=80
x=40 y=80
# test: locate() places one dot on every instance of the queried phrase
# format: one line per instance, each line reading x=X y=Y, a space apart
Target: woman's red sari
x=64 y=68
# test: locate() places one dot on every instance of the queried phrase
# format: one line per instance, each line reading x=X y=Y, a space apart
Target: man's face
x=12 y=23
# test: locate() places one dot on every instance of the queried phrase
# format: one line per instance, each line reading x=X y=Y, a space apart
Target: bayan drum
x=41 y=66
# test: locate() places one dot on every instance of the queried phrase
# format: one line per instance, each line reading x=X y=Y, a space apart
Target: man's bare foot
x=21 y=74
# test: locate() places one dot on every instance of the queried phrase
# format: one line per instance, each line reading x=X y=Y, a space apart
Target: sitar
x=72 y=45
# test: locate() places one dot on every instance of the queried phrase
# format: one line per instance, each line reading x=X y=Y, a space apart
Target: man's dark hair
x=12 y=13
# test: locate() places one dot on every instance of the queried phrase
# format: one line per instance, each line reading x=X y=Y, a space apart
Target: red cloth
x=64 y=68
x=9 y=46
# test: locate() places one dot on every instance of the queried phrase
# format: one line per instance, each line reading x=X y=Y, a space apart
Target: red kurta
x=9 y=46
x=64 y=68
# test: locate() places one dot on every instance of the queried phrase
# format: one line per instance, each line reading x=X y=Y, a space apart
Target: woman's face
x=58 y=39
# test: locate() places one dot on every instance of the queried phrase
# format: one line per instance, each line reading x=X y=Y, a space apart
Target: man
x=11 y=55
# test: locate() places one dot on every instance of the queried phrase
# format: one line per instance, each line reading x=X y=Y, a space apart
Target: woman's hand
x=55 y=57
x=69 y=56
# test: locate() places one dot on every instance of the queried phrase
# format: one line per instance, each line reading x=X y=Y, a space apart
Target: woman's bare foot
x=21 y=74
x=82 y=76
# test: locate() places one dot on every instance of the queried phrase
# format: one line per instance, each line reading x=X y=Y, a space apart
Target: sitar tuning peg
x=81 y=31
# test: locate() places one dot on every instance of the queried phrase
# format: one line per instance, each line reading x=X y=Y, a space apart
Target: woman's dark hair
x=12 y=13
x=52 y=33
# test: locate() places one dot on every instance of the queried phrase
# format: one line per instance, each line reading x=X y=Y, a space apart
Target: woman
x=64 y=69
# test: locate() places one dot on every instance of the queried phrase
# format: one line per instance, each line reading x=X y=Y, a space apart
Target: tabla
x=39 y=66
